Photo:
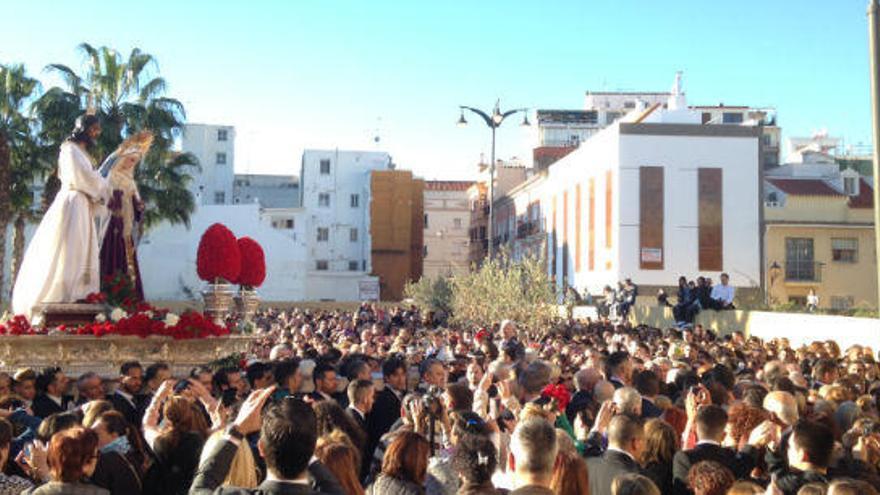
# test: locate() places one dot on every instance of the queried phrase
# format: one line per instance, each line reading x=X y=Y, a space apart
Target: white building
x=653 y=196
x=214 y=146
x=447 y=222
x=335 y=194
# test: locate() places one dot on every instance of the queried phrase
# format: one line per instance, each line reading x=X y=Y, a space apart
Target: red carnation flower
x=253 y=263
x=218 y=255
x=559 y=394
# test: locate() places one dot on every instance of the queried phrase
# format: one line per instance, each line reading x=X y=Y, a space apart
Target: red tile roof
x=544 y=156
x=865 y=199
x=805 y=187
x=448 y=185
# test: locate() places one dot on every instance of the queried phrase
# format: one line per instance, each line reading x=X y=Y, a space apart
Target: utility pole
x=874 y=50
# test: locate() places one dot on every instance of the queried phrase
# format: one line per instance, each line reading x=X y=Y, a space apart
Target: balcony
x=527 y=229
x=803 y=271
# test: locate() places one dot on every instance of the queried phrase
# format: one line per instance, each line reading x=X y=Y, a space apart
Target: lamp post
x=494 y=122
x=874 y=50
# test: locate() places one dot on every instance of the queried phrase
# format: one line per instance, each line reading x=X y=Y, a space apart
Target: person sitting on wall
x=722 y=294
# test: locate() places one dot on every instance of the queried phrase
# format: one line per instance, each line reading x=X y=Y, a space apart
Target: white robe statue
x=61 y=264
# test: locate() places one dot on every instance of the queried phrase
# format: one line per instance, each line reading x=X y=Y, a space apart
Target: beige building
x=446 y=227
x=819 y=233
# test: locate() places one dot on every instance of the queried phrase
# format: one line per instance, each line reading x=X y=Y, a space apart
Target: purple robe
x=119 y=254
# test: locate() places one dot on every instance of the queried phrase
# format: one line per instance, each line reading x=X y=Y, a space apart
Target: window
x=222 y=135
x=220 y=197
x=353 y=235
x=424 y=251
x=706 y=117
x=610 y=117
x=765 y=140
x=732 y=118
x=321 y=265
x=288 y=223
x=355 y=200
x=324 y=199
x=325 y=166
x=849 y=186
x=323 y=234
x=629 y=104
x=221 y=159
x=426 y=220
x=353 y=266
x=845 y=249
x=456 y=223
x=841 y=302
x=799 y=261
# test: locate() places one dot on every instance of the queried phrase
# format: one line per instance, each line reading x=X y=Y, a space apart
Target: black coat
x=661 y=474
x=43 y=406
x=741 y=463
x=131 y=412
x=386 y=410
x=115 y=473
x=604 y=469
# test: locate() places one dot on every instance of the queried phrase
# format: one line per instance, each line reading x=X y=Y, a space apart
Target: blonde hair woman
x=243 y=470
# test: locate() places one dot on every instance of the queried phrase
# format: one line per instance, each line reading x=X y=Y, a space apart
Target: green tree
x=18 y=157
x=127 y=95
x=431 y=295
x=503 y=288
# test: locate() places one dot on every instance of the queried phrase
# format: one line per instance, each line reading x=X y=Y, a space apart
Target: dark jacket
x=791 y=481
x=579 y=401
x=741 y=463
x=131 y=412
x=533 y=490
x=386 y=410
x=175 y=465
x=484 y=489
x=43 y=406
x=386 y=485
x=115 y=473
x=650 y=410
x=213 y=471
x=661 y=474
x=604 y=469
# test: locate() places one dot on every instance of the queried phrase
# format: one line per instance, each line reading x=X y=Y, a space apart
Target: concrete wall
x=799 y=329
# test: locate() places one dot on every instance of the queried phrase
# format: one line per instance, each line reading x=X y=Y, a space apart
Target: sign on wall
x=368 y=290
x=652 y=255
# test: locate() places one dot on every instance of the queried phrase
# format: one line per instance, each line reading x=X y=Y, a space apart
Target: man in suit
x=361 y=396
x=90 y=387
x=810 y=446
x=386 y=409
x=618 y=369
x=783 y=409
x=710 y=423
x=648 y=385
x=288 y=434
x=324 y=376
x=533 y=451
x=51 y=385
x=124 y=399
x=625 y=443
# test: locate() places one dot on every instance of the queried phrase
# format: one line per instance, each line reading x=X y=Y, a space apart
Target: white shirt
x=127 y=397
x=723 y=293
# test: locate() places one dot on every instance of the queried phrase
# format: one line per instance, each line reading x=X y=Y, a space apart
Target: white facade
x=167 y=255
x=335 y=194
x=601 y=179
x=447 y=221
x=214 y=146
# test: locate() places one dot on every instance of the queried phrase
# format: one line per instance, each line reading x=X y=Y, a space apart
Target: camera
x=431 y=400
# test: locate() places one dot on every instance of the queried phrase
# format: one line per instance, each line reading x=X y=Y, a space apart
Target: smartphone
x=27 y=449
x=229 y=397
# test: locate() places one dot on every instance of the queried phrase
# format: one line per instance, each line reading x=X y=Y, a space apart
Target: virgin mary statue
x=61 y=261
x=119 y=228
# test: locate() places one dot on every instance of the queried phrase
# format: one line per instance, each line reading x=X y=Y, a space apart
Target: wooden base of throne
x=69 y=314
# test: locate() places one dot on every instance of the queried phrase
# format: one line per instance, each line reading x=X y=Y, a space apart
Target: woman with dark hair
x=9 y=484
x=332 y=417
x=61 y=263
x=72 y=457
x=474 y=461
x=339 y=455
x=404 y=466
x=570 y=475
x=121 y=461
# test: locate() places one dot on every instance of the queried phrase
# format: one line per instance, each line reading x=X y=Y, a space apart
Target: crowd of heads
x=384 y=402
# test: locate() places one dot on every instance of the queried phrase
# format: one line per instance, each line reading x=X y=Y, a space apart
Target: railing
x=803 y=271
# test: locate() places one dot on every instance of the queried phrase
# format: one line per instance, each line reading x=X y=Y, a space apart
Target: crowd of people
x=696 y=295
x=376 y=401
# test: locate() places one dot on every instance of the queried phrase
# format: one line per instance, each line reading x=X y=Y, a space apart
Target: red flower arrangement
x=558 y=394
x=218 y=257
x=191 y=325
x=18 y=325
x=253 y=263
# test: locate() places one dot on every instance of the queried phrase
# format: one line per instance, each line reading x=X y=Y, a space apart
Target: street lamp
x=494 y=122
x=775 y=272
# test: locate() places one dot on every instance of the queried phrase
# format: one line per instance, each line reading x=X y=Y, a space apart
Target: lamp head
x=461 y=121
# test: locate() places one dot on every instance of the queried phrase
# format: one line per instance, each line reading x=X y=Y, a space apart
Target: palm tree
x=17 y=152
x=127 y=99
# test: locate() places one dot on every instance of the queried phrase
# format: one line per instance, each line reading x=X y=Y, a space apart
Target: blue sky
x=308 y=74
